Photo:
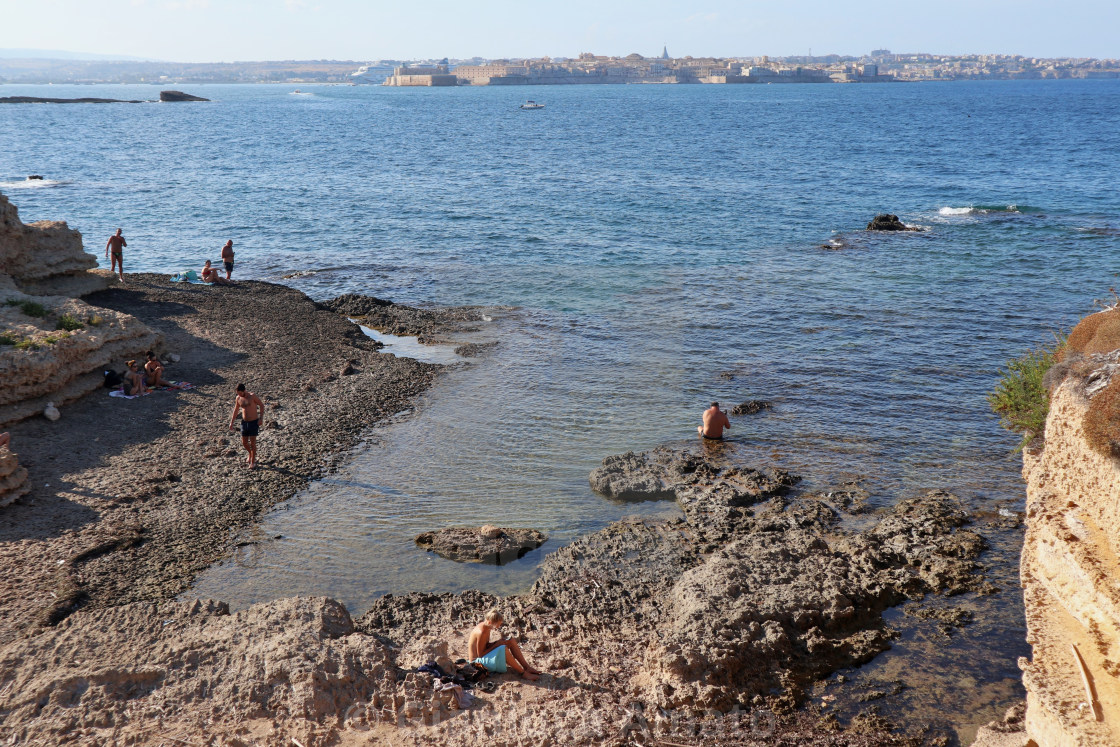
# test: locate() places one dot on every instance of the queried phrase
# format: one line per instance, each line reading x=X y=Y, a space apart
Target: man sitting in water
x=715 y=420
x=499 y=654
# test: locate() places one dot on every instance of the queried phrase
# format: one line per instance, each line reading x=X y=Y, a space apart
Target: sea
x=644 y=250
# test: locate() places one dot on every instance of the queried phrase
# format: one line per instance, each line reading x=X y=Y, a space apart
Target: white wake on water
x=31 y=184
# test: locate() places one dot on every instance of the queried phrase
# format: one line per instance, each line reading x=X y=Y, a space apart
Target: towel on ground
x=188 y=276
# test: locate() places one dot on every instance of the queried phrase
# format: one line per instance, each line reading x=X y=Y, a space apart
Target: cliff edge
x=1069 y=567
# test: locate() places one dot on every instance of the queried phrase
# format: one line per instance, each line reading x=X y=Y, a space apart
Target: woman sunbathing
x=133 y=382
x=499 y=654
x=210 y=275
x=153 y=370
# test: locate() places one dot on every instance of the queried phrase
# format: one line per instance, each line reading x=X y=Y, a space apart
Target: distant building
x=665 y=52
x=436 y=75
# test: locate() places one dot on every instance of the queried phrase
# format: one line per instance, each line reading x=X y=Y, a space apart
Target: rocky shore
x=708 y=629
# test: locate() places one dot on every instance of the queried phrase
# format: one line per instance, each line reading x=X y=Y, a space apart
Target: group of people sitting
x=136 y=383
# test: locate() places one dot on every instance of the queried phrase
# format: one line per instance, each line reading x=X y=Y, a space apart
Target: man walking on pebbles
x=116 y=244
x=252 y=418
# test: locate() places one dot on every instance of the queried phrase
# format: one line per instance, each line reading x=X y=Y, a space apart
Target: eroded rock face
x=191 y=662
x=41 y=250
x=13 y=478
x=56 y=364
x=54 y=347
x=487 y=544
x=744 y=601
x=1068 y=571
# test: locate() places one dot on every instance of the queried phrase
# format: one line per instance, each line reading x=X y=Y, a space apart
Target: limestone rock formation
x=486 y=544
x=13 y=478
x=889 y=222
x=38 y=252
x=1069 y=567
x=54 y=347
x=192 y=664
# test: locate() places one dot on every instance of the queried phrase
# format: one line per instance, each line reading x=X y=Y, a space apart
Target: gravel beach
x=131 y=498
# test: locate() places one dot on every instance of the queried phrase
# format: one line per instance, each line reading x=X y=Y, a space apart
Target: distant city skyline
x=232 y=30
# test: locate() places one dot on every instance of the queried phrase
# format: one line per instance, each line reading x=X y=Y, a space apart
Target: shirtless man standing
x=252 y=418
x=497 y=655
x=116 y=243
x=227 y=257
x=715 y=420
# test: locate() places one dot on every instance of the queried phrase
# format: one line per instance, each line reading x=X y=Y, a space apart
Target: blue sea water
x=663 y=246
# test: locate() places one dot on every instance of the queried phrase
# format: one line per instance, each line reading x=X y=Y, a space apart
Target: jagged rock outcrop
x=427 y=325
x=13 y=478
x=39 y=251
x=54 y=347
x=486 y=544
x=889 y=222
x=746 y=600
x=1069 y=569
x=750 y=407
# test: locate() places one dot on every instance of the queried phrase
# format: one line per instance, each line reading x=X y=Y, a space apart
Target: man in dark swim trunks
x=227 y=257
x=117 y=244
x=252 y=418
x=715 y=420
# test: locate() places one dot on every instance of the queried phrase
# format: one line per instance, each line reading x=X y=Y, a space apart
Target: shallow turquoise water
x=652 y=238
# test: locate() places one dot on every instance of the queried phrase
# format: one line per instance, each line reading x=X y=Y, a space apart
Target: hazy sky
x=229 y=30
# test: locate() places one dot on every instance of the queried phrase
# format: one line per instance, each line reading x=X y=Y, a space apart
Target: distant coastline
x=879 y=65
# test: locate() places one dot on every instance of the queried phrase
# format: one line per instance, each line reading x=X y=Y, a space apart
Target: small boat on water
x=530 y=104
x=298 y=92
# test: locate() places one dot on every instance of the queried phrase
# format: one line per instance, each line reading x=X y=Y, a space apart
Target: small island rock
x=888 y=222
x=485 y=544
x=179 y=96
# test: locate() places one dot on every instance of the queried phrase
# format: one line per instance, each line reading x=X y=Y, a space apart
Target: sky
x=242 y=30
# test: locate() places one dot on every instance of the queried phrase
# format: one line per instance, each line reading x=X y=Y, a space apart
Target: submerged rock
x=750 y=407
x=889 y=222
x=486 y=544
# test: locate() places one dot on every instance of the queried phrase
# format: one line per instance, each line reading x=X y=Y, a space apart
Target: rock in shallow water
x=888 y=222
x=750 y=407
x=486 y=544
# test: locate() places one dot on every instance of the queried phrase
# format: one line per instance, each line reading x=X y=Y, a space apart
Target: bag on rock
x=113 y=380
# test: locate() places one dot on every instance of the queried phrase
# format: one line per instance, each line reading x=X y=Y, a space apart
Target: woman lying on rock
x=497 y=655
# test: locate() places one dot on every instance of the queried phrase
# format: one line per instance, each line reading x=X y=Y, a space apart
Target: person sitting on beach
x=210 y=275
x=153 y=369
x=499 y=654
x=715 y=420
x=133 y=381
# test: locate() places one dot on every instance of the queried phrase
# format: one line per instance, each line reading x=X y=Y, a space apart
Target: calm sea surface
x=662 y=247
